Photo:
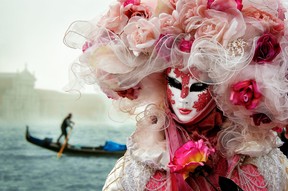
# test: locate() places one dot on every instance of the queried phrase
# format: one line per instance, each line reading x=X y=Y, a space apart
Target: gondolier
x=67 y=122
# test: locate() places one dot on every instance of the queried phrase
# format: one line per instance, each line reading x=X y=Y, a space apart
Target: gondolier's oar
x=59 y=154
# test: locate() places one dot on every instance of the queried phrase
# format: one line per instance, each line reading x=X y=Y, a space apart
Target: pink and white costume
x=212 y=77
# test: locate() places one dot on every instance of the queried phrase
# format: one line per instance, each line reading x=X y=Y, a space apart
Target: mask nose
x=184 y=103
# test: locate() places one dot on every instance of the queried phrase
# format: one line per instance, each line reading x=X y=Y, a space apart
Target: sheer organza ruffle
x=245 y=140
x=151 y=150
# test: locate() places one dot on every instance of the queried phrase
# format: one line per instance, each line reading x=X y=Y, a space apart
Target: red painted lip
x=184 y=111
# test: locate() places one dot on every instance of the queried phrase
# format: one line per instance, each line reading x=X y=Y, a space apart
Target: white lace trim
x=156 y=157
x=135 y=174
x=273 y=170
x=148 y=146
x=128 y=175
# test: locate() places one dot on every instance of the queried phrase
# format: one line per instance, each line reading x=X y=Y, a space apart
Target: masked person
x=212 y=79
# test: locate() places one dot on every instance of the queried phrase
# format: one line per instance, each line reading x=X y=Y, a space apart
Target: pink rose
x=271 y=23
x=246 y=93
x=189 y=156
x=213 y=27
x=132 y=10
x=267 y=49
x=168 y=25
x=259 y=118
x=221 y=26
x=185 y=45
x=114 y=19
x=142 y=34
x=190 y=14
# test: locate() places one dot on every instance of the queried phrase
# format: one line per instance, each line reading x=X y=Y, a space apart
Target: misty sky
x=31 y=32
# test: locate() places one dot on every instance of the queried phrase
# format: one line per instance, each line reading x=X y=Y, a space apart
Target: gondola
x=109 y=149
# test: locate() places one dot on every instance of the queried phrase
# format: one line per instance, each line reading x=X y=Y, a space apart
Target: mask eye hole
x=198 y=87
x=174 y=83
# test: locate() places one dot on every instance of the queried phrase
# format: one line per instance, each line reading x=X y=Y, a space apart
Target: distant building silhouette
x=20 y=101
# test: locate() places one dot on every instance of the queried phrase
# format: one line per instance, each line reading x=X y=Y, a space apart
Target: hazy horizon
x=32 y=34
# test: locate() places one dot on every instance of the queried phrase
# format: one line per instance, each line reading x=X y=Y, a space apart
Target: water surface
x=26 y=167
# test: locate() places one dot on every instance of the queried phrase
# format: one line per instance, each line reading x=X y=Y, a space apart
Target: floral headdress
x=240 y=46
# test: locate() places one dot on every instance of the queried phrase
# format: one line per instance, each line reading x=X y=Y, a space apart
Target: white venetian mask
x=186 y=95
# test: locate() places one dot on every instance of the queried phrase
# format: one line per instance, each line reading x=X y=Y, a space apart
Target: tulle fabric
x=249 y=141
x=152 y=150
x=215 y=61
